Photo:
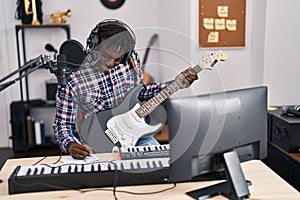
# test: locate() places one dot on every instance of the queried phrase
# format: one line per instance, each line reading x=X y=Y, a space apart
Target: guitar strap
x=132 y=64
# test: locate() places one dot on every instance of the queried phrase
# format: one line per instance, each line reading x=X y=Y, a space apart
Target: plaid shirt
x=90 y=91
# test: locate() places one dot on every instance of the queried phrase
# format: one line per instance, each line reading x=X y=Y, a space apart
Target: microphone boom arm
x=29 y=67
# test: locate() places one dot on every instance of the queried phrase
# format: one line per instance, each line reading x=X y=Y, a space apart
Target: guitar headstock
x=208 y=62
x=153 y=39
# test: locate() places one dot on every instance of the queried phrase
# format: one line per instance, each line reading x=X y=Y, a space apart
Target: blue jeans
x=150 y=140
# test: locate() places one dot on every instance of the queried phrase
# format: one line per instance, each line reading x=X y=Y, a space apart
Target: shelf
x=21 y=28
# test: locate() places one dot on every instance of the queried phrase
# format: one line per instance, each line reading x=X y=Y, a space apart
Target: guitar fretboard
x=150 y=105
x=205 y=63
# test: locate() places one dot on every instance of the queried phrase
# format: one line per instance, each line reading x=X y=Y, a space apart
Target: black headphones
x=94 y=38
x=293 y=111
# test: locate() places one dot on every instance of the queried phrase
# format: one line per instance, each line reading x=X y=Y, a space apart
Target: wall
x=281 y=66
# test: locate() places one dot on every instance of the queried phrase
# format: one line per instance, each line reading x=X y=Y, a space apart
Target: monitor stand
x=235 y=186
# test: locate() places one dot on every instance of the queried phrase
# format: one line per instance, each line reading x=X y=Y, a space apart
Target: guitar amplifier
x=284 y=131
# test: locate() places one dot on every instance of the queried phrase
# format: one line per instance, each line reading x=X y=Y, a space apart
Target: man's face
x=109 y=60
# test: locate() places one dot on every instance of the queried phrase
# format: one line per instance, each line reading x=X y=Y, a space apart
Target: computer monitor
x=213 y=133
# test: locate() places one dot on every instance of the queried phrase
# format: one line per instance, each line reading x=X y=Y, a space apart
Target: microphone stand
x=29 y=67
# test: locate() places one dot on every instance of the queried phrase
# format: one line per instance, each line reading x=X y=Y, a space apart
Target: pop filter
x=74 y=52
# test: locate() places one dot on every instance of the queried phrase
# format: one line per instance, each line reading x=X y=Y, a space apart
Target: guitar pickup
x=111 y=135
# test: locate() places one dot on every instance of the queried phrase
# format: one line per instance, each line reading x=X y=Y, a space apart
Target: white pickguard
x=128 y=128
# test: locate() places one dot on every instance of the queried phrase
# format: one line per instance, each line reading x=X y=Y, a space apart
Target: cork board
x=222 y=23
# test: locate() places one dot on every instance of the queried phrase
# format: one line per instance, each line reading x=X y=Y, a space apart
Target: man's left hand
x=189 y=77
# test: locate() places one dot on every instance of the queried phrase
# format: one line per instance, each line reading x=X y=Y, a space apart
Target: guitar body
x=124 y=122
x=147 y=78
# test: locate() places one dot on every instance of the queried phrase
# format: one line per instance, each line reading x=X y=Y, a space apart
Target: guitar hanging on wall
x=129 y=121
x=147 y=77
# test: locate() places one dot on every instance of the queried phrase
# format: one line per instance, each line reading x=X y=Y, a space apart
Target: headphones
x=291 y=111
x=94 y=39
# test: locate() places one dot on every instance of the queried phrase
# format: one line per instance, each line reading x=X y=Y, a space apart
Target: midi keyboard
x=141 y=152
x=90 y=175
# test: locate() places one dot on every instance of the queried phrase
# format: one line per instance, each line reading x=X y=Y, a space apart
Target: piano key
x=96 y=167
x=64 y=169
x=134 y=164
x=39 y=169
x=150 y=163
x=143 y=163
x=78 y=168
x=126 y=164
x=104 y=166
x=165 y=162
x=87 y=168
x=47 y=170
x=23 y=171
x=55 y=170
x=111 y=166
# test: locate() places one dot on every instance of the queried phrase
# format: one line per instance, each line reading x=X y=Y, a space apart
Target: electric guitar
x=132 y=120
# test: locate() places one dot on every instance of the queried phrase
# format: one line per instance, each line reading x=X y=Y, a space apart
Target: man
x=112 y=68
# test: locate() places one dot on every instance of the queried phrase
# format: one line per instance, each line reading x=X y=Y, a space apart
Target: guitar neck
x=150 y=105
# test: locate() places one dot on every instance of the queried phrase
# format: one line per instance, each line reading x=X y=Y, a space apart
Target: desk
x=265 y=185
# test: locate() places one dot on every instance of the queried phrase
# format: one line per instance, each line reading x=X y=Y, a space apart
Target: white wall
x=281 y=66
x=269 y=57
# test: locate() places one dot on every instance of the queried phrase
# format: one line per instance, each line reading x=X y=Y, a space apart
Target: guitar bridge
x=111 y=135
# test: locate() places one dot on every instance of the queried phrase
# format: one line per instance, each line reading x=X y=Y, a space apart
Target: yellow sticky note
x=213 y=37
x=222 y=11
x=231 y=24
x=220 y=24
x=208 y=23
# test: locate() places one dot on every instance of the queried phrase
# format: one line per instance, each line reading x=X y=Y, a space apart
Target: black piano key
x=35 y=171
x=28 y=172
x=42 y=170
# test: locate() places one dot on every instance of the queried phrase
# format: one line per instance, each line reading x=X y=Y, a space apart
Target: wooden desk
x=265 y=185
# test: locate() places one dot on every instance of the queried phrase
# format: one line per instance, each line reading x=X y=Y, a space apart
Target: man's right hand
x=79 y=151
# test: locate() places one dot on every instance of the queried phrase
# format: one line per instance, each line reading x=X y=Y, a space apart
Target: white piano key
x=150 y=163
x=134 y=164
x=47 y=169
x=79 y=168
x=165 y=162
x=64 y=169
x=33 y=169
x=143 y=163
x=72 y=168
x=126 y=164
x=23 y=171
x=157 y=163
x=87 y=168
x=118 y=164
x=112 y=166
x=39 y=169
x=104 y=166
x=96 y=167
x=55 y=171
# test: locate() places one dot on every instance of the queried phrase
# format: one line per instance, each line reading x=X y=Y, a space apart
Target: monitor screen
x=201 y=128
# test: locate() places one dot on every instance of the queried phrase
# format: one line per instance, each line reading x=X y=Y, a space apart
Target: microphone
x=294 y=112
x=71 y=55
x=62 y=70
x=75 y=53
x=50 y=48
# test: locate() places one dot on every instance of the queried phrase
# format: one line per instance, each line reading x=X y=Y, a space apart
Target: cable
x=39 y=160
x=46 y=157
x=133 y=193
x=58 y=158
x=115 y=181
